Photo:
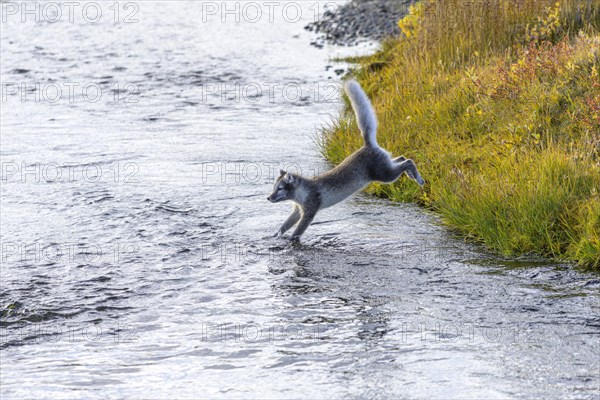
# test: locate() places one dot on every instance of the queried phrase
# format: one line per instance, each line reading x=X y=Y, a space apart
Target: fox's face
x=284 y=187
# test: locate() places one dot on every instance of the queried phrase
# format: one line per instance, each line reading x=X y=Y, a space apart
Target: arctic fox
x=369 y=163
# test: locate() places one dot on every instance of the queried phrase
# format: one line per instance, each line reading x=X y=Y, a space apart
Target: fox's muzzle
x=273 y=199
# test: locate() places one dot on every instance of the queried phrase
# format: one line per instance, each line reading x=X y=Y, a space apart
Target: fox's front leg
x=306 y=220
x=291 y=221
x=309 y=210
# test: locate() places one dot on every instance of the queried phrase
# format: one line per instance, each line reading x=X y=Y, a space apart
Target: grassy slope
x=499 y=106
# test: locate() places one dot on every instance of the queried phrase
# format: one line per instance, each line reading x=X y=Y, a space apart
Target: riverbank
x=500 y=108
x=358 y=21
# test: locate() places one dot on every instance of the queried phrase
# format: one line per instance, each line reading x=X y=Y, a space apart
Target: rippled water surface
x=136 y=251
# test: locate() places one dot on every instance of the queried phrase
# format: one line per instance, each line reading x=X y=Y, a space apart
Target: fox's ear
x=288 y=178
x=281 y=172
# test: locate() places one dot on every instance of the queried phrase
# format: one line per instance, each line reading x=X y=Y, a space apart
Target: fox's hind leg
x=390 y=173
x=408 y=171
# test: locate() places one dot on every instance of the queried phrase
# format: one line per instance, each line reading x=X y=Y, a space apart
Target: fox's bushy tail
x=367 y=121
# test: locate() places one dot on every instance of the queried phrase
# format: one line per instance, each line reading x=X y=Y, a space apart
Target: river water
x=138 y=149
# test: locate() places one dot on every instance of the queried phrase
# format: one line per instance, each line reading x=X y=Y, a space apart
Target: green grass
x=498 y=103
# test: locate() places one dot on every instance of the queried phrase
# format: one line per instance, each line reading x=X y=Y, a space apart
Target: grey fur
x=365 y=115
x=369 y=163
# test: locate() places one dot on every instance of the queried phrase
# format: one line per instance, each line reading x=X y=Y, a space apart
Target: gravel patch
x=359 y=21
